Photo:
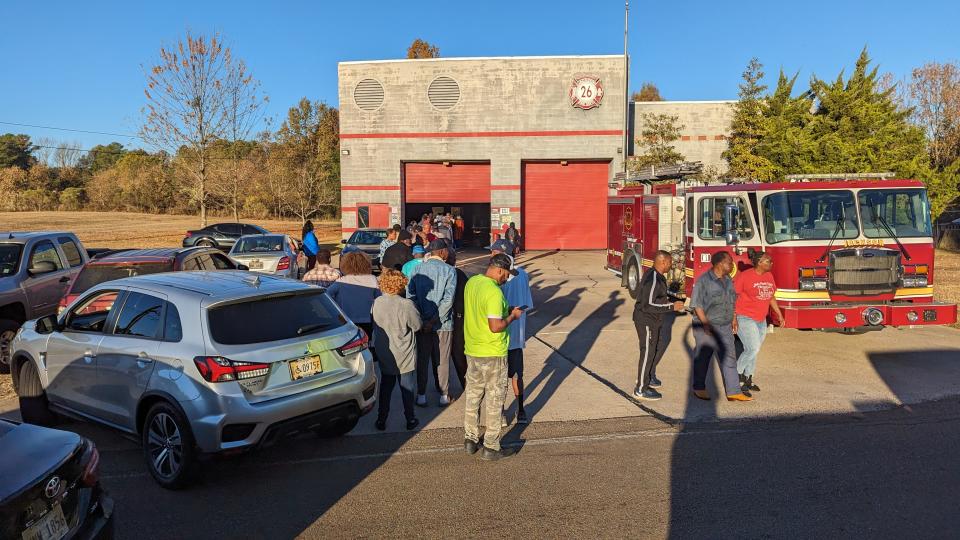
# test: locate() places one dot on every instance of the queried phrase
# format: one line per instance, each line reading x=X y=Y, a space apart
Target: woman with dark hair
x=310 y=244
x=755 y=290
x=356 y=290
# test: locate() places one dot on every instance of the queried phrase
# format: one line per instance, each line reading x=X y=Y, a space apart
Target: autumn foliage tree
x=648 y=92
x=655 y=144
x=190 y=105
x=421 y=49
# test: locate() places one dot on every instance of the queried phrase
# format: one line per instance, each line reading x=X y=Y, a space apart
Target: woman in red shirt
x=755 y=290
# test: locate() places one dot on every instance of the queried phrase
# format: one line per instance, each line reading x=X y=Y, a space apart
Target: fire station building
x=531 y=140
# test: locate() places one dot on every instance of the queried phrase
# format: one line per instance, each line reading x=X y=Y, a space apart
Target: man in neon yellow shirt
x=486 y=339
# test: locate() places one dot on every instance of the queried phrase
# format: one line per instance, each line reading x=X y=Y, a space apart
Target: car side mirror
x=730 y=214
x=731 y=238
x=344 y=241
x=242 y=267
x=47 y=325
x=42 y=267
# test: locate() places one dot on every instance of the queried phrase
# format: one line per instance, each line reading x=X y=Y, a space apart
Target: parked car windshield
x=367 y=237
x=905 y=211
x=9 y=259
x=273 y=318
x=95 y=274
x=259 y=244
x=809 y=215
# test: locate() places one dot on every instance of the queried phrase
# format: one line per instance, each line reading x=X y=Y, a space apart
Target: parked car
x=138 y=262
x=50 y=485
x=35 y=270
x=220 y=235
x=368 y=241
x=197 y=363
x=274 y=254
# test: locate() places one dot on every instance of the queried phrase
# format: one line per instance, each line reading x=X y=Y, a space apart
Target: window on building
x=363 y=217
x=712 y=212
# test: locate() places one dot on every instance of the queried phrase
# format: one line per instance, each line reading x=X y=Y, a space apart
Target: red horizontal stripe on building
x=461 y=134
x=368 y=188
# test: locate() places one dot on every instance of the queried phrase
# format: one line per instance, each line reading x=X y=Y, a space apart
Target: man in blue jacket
x=432 y=287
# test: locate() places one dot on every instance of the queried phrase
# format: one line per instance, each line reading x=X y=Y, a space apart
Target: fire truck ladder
x=839 y=176
x=660 y=173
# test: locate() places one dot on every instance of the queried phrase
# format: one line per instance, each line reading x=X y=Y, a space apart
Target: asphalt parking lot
x=591 y=442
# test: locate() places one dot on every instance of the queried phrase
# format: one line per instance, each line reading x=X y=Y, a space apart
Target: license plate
x=255 y=264
x=52 y=526
x=305 y=367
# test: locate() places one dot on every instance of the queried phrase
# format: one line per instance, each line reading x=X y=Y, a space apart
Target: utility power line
x=71 y=130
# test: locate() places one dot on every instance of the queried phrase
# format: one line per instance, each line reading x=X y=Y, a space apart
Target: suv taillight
x=355 y=345
x=189 y=234
x=219 y=369
x=284 y=263
x=91 y=473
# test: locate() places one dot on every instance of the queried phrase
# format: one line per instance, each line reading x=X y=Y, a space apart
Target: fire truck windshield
x=902 y=213
x=809 y=215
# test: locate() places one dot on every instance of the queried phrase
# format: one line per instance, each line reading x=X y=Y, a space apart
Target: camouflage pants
x=486 y=378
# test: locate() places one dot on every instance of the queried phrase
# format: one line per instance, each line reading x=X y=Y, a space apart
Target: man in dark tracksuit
x=652 y=304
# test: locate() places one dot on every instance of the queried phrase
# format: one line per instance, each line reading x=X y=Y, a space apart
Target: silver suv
x=197 y=362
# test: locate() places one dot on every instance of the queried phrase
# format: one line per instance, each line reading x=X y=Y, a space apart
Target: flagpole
x=626 y=85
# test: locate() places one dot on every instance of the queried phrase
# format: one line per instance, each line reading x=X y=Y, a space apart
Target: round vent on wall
x=368 y=95
x=443 y=93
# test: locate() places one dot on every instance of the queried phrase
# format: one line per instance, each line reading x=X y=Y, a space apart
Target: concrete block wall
x=706 y=127
x=510 y=110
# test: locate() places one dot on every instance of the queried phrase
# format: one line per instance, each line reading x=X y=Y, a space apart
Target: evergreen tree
x=784 y=144
x=655 y=144
x=747 y=129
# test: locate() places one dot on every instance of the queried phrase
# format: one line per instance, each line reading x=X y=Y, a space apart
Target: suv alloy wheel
x=168 y=446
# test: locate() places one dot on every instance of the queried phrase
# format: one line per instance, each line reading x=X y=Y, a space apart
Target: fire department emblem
x=628 y=219
x=586 y=92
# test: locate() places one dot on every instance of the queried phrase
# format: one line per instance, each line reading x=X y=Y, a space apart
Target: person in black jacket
x=652 y=304
x=398 y=254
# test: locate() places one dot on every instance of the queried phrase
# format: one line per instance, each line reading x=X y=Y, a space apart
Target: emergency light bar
x=839 y=176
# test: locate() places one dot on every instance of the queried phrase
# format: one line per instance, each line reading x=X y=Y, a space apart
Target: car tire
x=207 y=243
x=34 y=407
x=169 y=448
x=339 y=428
x=632 y=277
x=8 y=329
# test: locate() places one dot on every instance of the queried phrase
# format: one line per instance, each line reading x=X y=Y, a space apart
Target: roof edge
x=466 y=58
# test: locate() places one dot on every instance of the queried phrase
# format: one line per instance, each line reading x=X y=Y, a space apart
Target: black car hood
x=28 y=453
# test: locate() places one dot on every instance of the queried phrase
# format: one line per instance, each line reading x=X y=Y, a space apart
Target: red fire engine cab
x=852 y=254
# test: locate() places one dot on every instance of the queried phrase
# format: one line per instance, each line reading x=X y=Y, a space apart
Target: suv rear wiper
x=308 y=328
x=878 y=218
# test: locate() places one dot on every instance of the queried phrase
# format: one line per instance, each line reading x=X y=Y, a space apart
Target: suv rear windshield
x=9 y=259
x=95 y=274
x=257 y=244
x=273 y=318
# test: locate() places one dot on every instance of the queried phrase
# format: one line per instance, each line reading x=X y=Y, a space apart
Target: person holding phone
x=486 y=341
x=653 y=303
x=755 y=290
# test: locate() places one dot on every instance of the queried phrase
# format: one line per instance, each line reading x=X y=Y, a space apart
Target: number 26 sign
x=586 y=92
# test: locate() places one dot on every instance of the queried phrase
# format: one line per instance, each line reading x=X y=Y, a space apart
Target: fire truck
x=850 y=254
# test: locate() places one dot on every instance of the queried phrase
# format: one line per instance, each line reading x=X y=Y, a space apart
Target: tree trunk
x=203 y=191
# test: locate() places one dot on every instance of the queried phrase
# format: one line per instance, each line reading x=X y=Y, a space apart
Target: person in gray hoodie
x=395 y=325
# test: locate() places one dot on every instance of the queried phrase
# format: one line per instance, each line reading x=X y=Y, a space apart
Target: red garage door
x=565 y=206
x=455 y=182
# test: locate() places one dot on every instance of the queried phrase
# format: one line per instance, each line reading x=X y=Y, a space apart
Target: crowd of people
x=724 y=308
x=427 y=320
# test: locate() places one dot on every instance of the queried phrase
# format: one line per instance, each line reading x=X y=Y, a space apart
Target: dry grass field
x=129 y=230
x=946 y=285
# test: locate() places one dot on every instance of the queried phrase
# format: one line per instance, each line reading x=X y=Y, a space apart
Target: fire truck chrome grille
x=864 y=271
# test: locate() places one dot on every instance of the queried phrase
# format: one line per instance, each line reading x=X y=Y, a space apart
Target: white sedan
x=268 y=254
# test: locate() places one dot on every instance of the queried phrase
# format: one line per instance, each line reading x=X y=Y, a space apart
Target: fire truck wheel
x=633 y=278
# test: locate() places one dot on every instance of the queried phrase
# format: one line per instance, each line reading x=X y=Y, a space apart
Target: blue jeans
x=751 y=334
x=720 y=344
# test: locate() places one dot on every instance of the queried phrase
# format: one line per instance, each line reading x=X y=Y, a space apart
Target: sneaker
x=655 y=382
x=471 y=446
x=444 y=400
x=647 y=395
x=745 y=390
x=702 y=394
x=412 y=424
x=380 y=424
x=421 y=400
x=493 y=455
x=752 y=386
x=743 y=379
x=739 y=397
x=522 y=418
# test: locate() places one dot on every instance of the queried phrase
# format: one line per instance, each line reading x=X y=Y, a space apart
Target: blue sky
x=77 y=64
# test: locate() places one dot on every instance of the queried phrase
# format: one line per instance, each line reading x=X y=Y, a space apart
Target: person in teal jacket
x=418 y=253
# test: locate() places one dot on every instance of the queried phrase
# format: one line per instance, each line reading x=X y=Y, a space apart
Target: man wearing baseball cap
x=486 y=339
x=517 y=292
x=419 y=252
x=432 y=287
